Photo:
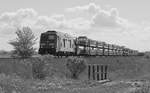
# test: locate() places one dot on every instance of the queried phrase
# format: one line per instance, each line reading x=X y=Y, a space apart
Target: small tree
x=23 y=44
x=76 y=66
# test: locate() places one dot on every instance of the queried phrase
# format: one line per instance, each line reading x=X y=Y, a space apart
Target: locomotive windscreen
x=50 y=37
x=47 y=37
x=48 y=41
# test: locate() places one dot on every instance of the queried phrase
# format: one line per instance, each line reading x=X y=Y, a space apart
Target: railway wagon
x=93 y=47
x=100 y=48
x=115 y=50
x=119 y=51
x=106 y=48
x=86 y=46
x=56 y=43
x=82 y=46
x=111 y=49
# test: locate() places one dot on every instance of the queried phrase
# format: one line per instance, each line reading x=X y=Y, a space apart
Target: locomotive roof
x=61 y=34
x=82 y=37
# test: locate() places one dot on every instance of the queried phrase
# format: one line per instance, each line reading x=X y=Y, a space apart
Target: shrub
x=76 y=66
x=41 y=66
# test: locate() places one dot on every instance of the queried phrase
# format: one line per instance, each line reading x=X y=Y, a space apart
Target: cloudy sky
x=121 y=22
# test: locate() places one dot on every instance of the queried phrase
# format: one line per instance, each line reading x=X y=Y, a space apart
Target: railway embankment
x=118 y=67
x=127 y=75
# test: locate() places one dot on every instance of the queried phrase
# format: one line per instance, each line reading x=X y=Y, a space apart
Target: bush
x=41 y=66
x=76 y=66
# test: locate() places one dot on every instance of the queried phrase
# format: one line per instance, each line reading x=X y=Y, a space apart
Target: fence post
x=105 y=77
x=93 y=72
x=89 y=72
x=98 y=72
x=101 y=72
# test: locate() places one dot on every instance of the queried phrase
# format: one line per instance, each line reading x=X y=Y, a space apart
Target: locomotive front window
x=46 y=37
x=82 y=39
x=43 y=37
x=51 y=37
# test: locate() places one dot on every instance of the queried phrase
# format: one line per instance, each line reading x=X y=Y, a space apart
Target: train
x=62 y=44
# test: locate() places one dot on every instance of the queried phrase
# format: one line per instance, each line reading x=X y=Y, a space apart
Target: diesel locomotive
x=62 y=44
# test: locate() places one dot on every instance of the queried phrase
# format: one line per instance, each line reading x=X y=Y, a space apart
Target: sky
x=120 y=22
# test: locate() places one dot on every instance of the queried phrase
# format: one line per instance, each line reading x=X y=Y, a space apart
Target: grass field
x=123 y=71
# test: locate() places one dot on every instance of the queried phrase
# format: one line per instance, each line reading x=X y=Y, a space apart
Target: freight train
x=62 y=44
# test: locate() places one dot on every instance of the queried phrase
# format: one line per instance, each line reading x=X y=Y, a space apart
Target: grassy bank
x=17 y=76
x=118 y=67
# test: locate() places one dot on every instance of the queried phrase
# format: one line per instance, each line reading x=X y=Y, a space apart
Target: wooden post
x=98 y=72
x=105 y=76
x=101 y=72
x=93 y=72
x=89 y=72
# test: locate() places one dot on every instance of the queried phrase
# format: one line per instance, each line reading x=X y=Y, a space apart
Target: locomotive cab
x=48 y=43
x=56 y=43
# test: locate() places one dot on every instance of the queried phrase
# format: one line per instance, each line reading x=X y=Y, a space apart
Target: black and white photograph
x=74 y=46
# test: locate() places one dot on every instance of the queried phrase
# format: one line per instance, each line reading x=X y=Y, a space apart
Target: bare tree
x=23 y=44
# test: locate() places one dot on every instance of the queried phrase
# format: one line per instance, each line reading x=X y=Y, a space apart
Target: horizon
x=124 y=23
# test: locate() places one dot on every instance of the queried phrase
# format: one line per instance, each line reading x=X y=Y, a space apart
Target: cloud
x=93 y=19
x=98 y=17
x=86 y=11
x=90 y=20
x=19 y=17
x=29 y=17
x=109 y=19
x=90 y=8
x=109 y=26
